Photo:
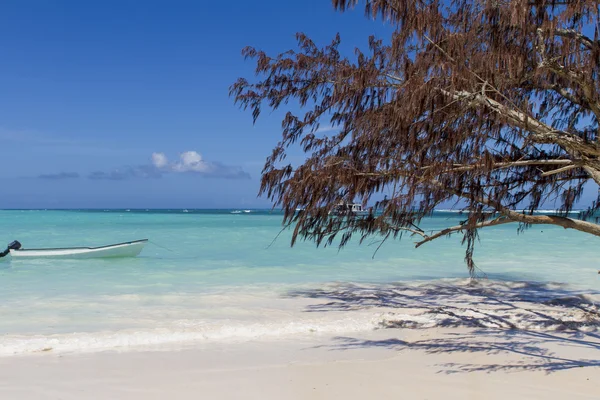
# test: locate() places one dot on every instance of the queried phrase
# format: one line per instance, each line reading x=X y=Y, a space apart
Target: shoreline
x=434 y=363
x=312 y=312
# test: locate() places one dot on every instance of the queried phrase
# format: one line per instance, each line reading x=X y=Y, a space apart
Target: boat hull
x=127 y=249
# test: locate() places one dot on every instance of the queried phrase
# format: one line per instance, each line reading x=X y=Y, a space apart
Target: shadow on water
x=533 y=321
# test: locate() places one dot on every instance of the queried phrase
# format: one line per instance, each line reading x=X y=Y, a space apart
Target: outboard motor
x=11 y=246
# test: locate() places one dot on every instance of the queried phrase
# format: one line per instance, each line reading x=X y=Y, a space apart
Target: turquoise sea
x=225 y=275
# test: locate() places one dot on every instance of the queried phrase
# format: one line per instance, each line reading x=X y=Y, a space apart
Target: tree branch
x=567 y=223
x=593 y=172
x=559 y=170
x=444 y=232
x=462 y=168
x=510 y=164
x=578 y=36
x=542 y=133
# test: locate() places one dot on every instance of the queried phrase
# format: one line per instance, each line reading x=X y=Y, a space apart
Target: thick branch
x=567 y=223
x=559 y=170
x=444 y=232
x=509 y=164
x=594 y=173
x=578 y=36
x=542 y=133
x=461 y=168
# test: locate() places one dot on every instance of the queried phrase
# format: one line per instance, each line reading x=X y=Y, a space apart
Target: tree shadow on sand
x=475 y=304
x=531 y=347
x=534 y=321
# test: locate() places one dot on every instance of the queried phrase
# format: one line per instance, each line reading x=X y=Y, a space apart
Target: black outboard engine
x=11 y=246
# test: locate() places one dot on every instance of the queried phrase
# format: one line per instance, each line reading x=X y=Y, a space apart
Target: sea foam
x=343 y=308
x=182 y=333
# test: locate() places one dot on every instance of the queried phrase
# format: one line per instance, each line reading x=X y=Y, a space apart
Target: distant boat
x=341 y=209
x=354 y=209
x=126 y=249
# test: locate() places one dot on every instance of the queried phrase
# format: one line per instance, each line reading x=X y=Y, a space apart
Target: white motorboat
x=126 y=249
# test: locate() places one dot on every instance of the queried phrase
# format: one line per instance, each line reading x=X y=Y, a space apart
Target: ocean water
x=217 y=275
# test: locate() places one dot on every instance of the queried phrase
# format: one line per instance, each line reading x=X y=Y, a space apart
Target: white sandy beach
x=432 y=363
x=460 y=340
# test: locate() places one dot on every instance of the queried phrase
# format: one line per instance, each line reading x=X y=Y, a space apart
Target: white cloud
x=192 y=161
x=189 y=161
x=159 y=160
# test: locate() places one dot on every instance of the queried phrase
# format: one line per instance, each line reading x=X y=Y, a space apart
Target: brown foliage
x=493 y=102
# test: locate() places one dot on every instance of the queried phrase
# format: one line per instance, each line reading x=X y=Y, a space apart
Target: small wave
x=180 y=333
x=236 y=212
x=333 y=309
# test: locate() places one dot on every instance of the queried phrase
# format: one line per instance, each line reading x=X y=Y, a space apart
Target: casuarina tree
x=492 y=105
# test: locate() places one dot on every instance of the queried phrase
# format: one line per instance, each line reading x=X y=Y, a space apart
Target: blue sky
x=91 y=87
x=94 y=89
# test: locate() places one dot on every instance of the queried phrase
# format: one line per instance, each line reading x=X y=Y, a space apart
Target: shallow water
x=218 y=275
